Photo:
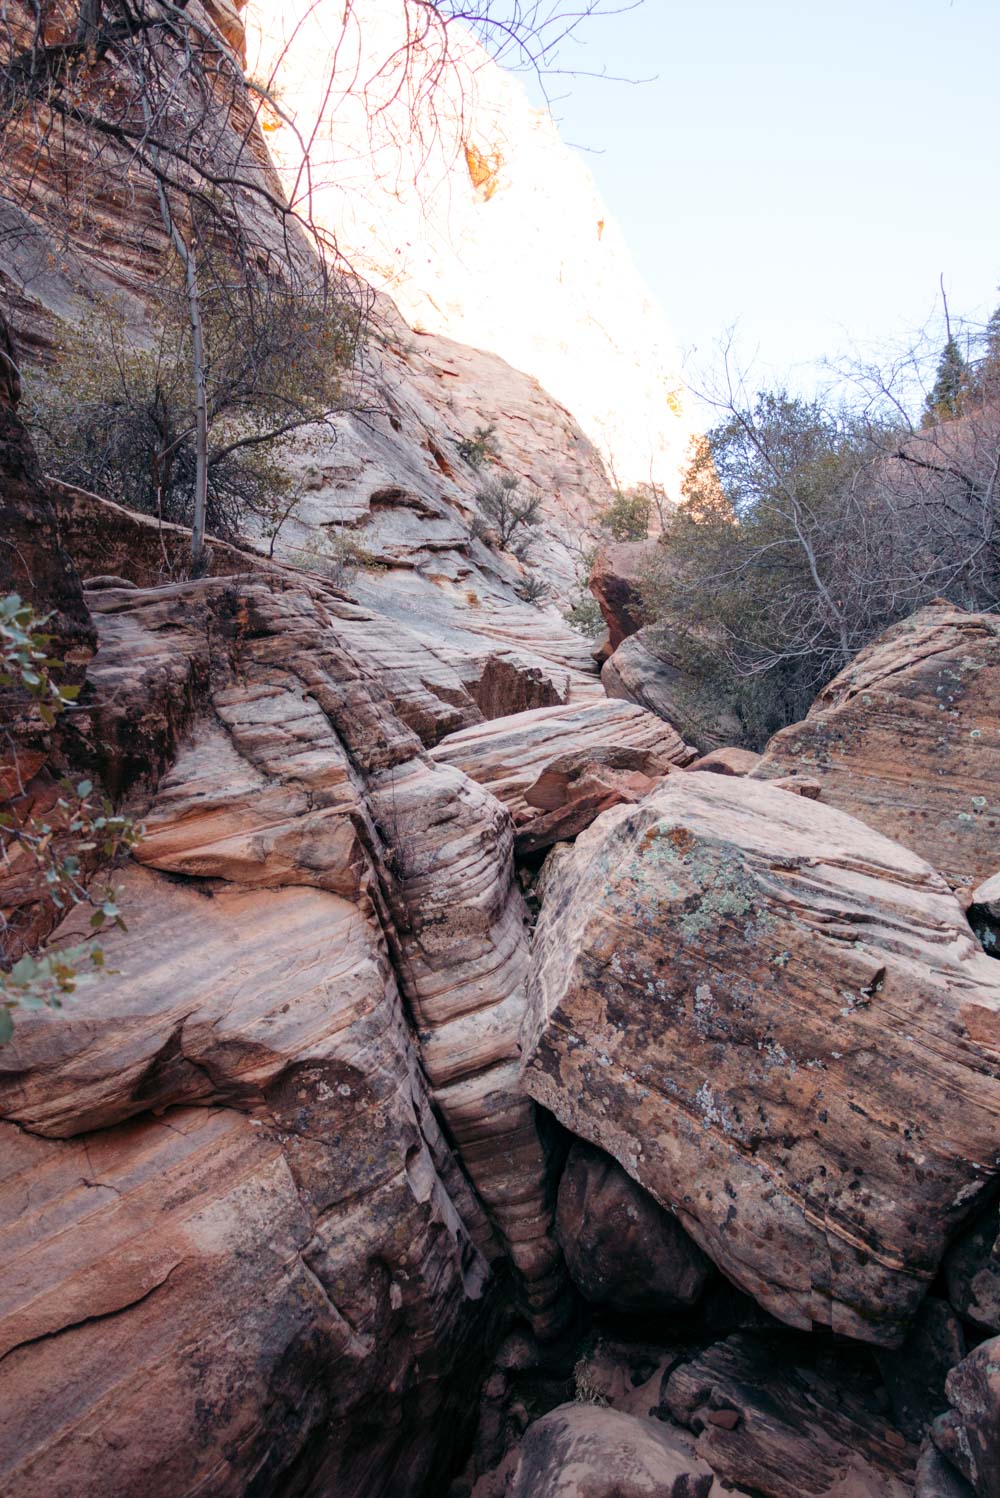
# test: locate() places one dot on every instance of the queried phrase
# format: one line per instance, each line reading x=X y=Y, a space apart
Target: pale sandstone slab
x=584 y=1451
x=907 y=739
x=557 y=768
x=780 y=1025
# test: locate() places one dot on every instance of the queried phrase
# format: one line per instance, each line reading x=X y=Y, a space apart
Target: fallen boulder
x=905 y=738
x=643 y=670
x=584 y=1451
x=557 y=768
x=616 y=582
x=778 y=1022
x=621 y=1248
x=727 y=761
x=969 y=1433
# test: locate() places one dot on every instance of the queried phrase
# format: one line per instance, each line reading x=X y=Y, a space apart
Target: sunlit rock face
x=471 y=212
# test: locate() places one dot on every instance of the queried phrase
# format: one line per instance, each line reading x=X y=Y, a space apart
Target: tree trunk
x=201 y=411
x=188 y=256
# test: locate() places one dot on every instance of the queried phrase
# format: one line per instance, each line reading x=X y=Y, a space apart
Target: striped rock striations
x=227 y=1188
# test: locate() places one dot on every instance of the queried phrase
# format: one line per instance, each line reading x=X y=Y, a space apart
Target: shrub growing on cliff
x=628 y=516
x=480 y=447
x=508 y=516
x=115 y=413
x=53 y=850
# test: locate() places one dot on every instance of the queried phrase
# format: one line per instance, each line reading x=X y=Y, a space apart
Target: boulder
x=643 y=670
x=984 y=914
x=779 y=1024
x=616 y=582
x=969 y=1433
x=905 y=739
x=556 y=769
x=937 y=1478
x=769 y=1419
x=727 y=761
x=235 y=1301
x=621 y=1248
x=584 y=1451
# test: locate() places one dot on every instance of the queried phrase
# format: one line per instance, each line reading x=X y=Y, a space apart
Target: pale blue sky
x=807 y=168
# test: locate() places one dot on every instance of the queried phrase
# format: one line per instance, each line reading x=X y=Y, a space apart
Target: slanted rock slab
x=768 y=1419
x=907 y=738
x=780 y=1025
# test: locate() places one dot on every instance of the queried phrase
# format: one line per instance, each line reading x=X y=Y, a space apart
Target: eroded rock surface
x=969 y=1434
x=616 y=582
x=311 y=891
x=906 y=739
x=556 y=769
x=779 y=1023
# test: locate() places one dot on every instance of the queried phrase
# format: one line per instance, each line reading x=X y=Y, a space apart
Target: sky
x=803 y=169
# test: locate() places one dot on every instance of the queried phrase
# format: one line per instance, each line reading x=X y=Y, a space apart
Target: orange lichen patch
x=484 y=169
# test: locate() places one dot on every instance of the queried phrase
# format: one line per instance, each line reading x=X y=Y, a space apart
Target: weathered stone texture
x=905 y=738
x=778 y=1022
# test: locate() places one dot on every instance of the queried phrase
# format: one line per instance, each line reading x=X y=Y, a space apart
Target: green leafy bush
x=76 y=831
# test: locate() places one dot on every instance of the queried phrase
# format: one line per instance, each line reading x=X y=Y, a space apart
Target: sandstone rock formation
x=968 y=1433
x=622 y=1249
x=782 y=1428
x=312 y=889
x=556 y=769
x=727 y=761
x=616 y=582
x=457 y=198
x=582 y=1451
x=778 y=1022
x=905 y=738
x=642 y=670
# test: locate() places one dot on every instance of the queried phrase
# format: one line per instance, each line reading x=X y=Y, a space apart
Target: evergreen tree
x=951 y=385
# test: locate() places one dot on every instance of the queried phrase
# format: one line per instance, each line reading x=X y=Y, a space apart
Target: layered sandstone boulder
x=969 y=1433
x=779 y=1024
x=644 y=670
x=241 y=1194
x=906 y=739
x=557 y=768
x=616 y=582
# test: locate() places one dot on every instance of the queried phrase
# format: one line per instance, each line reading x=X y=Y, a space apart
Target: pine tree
x=951 y=385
